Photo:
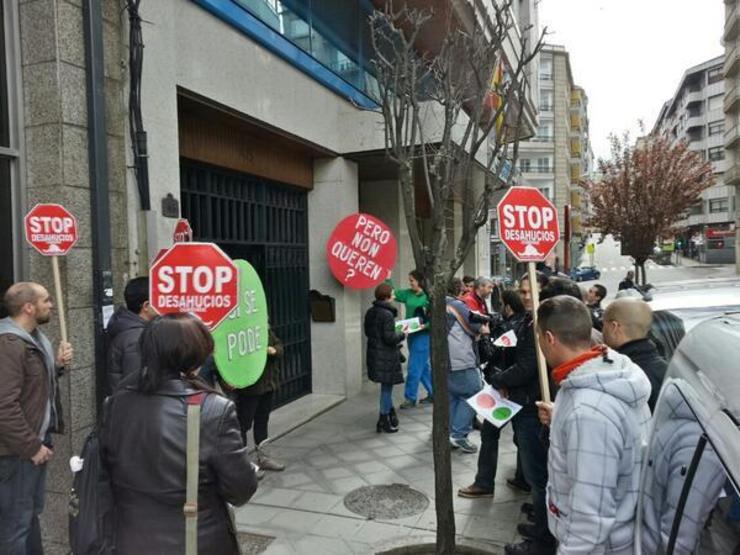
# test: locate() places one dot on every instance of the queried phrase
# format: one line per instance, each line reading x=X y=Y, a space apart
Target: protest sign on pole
x=528 y=226
x=183 y=232
x=195 y=277
x=52 y=230
x=241 y=340
x=361 y=251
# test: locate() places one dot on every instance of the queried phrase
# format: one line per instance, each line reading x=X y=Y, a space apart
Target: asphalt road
x=613 y=267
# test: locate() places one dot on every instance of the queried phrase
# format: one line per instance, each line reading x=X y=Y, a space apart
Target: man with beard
x=30 y=411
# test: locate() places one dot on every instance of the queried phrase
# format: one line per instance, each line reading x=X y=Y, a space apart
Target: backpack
x=91 y=522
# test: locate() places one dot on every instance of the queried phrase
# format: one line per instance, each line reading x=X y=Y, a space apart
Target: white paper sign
x=410 y=325
x=490 y=405
x=506 y=340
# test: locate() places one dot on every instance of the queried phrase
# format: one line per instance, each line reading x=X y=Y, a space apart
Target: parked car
x=585 y=273
x=689 y=500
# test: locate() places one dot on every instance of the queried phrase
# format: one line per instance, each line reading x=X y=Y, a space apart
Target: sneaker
x=464 y=445
x=258 y=472
x=407 y=404
x=428 y=400
x=516 y=484
x=474 y=492
x=268 y=463
x=530 y=547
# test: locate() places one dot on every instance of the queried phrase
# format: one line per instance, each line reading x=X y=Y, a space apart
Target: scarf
x=562 y=371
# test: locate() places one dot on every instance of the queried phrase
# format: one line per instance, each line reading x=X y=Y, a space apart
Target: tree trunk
x=440 y=421
x=644 y=275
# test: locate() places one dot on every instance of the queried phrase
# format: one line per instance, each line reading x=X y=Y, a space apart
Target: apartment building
x=557 y=158
x=696 y=115
x=731 y=105
x=261 y=125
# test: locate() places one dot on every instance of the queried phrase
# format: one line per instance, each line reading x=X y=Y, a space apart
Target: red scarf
x=562 y=371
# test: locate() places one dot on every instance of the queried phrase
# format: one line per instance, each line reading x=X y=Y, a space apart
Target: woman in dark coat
x=143 y=446
x=384 y=354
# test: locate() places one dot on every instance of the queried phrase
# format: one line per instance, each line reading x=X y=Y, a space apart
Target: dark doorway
x=265 y=223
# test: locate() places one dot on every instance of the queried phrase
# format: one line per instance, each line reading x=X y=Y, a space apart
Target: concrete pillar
x=336 y=348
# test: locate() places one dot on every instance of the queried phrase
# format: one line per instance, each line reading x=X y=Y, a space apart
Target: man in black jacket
x=520 y=383
x=626 y=325
x=124 y=329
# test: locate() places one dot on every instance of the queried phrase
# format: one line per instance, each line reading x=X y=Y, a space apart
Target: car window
x=688 y=503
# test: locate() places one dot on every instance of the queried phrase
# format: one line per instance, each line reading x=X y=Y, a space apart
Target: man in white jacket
x=598 y=427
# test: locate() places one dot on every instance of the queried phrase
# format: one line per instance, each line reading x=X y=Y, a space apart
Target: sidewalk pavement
x=303 y=508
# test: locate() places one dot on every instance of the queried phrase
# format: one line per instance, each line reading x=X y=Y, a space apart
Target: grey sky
x=629 y=55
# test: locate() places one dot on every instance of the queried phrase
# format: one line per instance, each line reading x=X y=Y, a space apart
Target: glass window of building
x=544 y=165
x=715 y=102
x=545 y=131
x=717 y=205
x=716 y=128
x=716 y=153
x=546 y=69
x=546 y=98
x=525 y=164
x=715 y=75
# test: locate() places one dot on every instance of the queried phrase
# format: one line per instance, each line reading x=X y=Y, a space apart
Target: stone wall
x=57 y=170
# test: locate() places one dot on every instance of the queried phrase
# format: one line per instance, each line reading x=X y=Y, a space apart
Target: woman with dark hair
x=384 y=354
x=143 y=446
x=416 y=300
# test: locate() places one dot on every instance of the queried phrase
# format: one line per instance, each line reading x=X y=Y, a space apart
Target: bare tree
x=644 y=191
x=452 y=105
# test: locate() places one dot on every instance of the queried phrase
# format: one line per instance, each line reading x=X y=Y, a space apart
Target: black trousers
x=254 y=410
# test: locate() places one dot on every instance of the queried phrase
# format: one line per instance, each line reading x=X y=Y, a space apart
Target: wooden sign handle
x=59 y=297
x=541 y=363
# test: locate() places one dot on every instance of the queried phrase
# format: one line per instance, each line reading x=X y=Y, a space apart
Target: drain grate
x=386 y=502
x=253 y=544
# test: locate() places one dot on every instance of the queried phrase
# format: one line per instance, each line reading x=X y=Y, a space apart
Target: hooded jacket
x=463 y=353
x=674 y=441
x=124 y=357
x=599 y=426
x=30 y=406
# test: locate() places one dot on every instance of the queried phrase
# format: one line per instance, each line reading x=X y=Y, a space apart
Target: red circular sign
x=528 y=224
x=183 y=232
x=51 y=229
x=362 y=251
x=195 y=277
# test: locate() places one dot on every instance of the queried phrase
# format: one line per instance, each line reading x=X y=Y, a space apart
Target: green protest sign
x=241 y=339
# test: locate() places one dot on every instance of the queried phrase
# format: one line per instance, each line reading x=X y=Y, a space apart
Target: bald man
x=626 y=325
x=30 y=411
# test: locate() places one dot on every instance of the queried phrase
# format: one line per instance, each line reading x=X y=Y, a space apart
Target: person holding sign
x=598 y=424
x=416 y=301
x=30 y=411
x=384 y=354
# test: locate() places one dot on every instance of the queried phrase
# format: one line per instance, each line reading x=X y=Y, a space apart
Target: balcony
x=575 y=148
x=695 y=121
x=575 y=200
x=575 y=122
x=732 y=137
x=732 y=62
x=575 y=173
x=732 y=176
x=731 y=98
x=731 y=25
x=693 y=97
x=539 y=169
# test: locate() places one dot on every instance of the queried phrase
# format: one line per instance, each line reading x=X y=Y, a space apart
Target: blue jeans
x=386 y=398
x=462 y=384
x=534 y=464
x=419 y=369
x=21 y=503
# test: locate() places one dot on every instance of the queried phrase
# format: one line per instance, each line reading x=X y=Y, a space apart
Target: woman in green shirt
x=416 y=301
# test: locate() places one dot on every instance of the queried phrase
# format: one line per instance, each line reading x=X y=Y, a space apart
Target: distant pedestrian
x=597 y=428
x=254 y=404
x=478 y=297
x=125 y=328
x=595 y=295
x=628 y=282
x=30 y=411
x=143 y=442
x=627 y=324
x=463 y=378
x=384 y=354
x=419 y=369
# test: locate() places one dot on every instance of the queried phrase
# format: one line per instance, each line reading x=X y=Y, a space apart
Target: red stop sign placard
x=528 y=224
x=195 y=277
x=183 y=231
x=51 y=229
x=361 y=251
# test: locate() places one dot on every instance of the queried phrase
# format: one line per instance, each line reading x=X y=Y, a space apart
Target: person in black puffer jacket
x=384 y=356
